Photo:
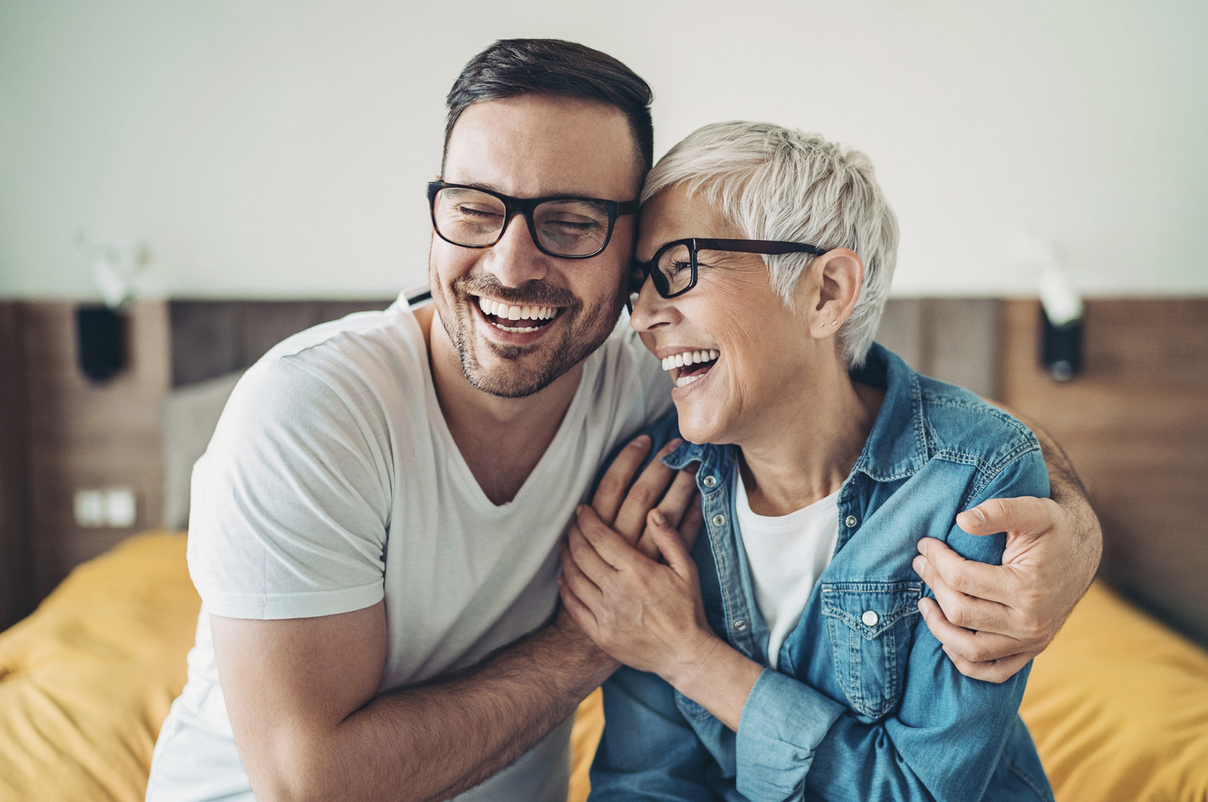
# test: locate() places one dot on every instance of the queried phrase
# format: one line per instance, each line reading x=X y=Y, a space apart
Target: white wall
x=279 y=149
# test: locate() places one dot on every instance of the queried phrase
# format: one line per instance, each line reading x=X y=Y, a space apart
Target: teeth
x=689 y=358
x=508 y=312
x=684 y=381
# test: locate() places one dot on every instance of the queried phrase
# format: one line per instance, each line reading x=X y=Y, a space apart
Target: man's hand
x=993 y=619
x=622 y=503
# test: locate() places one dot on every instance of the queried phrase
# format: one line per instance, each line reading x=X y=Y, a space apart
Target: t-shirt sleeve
x=290 y=502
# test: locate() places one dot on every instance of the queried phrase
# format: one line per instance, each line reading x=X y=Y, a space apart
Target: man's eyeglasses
x=570 y=228
x=673 y=267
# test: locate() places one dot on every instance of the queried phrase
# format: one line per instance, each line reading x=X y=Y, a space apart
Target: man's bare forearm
x=441 y=738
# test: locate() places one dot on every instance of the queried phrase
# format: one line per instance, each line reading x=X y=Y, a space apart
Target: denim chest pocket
x=870 y=626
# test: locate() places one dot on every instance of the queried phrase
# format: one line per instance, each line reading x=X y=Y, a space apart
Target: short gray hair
x=777 y=183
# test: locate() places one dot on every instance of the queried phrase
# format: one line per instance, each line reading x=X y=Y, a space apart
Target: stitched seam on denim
x=936 y=400
x=1027 y=779
x=916 y=398
x=715 y=544
x=910 y=591
x=1010 y=459
x=987 y=472
x=883 y=640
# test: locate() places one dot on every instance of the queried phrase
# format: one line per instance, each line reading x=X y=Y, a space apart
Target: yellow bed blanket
x=1118 y=705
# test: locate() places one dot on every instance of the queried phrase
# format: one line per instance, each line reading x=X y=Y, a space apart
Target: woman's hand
x=644 y=613
x=649 y=614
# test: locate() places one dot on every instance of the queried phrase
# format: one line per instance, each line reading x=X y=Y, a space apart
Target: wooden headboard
x=1134 y=422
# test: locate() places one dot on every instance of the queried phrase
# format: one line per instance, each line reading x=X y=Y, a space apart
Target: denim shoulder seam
x=987 y=472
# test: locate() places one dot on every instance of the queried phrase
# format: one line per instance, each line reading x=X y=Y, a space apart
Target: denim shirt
x=865 y=704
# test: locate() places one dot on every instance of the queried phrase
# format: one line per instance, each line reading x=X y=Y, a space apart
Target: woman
x=784 y=657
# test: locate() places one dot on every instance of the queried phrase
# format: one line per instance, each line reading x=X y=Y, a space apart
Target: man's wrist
x=588 y=660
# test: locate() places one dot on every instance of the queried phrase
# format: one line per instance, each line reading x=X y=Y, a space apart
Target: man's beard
x=584 y=330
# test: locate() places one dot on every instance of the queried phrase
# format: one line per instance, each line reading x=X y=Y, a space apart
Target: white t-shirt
x=332 y=482
x=787 y=554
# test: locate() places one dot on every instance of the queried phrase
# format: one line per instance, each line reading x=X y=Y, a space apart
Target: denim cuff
x=783 y=721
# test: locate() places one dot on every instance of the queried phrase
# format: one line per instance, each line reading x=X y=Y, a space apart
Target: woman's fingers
x=608 y=547
x=667 y=539
x=580 y=613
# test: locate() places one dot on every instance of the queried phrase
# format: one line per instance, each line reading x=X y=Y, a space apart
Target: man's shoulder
x=380 y=348
x=368 y=368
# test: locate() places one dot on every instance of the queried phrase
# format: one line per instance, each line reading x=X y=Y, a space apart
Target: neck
x=815 y=446
x=501 y=439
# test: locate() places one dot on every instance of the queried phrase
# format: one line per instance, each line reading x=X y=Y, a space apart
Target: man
x=377 y=518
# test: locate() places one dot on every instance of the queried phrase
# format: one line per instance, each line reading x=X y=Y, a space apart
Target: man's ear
x=840 y=274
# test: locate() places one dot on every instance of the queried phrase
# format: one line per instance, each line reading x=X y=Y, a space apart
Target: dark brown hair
x=513 y=67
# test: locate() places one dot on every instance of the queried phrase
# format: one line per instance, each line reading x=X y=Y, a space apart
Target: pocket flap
x=870 y=608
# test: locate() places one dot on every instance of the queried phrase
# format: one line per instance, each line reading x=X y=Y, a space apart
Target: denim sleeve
x=648 y=750
x=943 y=741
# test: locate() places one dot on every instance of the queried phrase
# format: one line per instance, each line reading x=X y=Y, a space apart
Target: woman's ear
x=840 y=274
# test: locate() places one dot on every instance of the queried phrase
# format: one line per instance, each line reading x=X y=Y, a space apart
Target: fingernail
x=917 y=565
x=976 y=514
x=923 y=546
x=922 y=609
x=658 y=517
x=641 y=441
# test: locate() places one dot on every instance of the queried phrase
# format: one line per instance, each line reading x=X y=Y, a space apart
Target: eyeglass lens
x=675 y=268
x=564 y=227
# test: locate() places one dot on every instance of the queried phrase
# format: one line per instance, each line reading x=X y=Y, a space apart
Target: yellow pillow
x=1118 y=707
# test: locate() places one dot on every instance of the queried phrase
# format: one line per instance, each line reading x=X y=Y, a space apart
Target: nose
x=515 y=259
x=651 y=310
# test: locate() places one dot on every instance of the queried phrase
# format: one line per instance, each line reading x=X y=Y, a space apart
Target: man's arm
x=993 y=619
x=301 y=693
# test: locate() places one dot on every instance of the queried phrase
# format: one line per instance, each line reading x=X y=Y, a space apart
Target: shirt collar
x=897 y=446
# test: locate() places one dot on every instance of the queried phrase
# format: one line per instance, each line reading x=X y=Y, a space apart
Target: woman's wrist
x=715 y=676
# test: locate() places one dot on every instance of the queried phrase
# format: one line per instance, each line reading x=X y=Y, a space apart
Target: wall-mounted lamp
x=100 y=328
x=1060 y=325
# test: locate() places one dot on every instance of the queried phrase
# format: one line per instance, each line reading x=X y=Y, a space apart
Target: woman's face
x=755 y=385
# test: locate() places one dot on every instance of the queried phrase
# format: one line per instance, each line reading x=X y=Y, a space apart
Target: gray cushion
x=190 y=414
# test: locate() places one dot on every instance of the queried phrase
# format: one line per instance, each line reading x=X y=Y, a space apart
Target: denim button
x=740 y=625
x=870 y=618
x=719 y=519
x=710 y=481
x=851 y=521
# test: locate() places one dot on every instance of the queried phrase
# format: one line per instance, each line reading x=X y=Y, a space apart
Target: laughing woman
x=784 y=657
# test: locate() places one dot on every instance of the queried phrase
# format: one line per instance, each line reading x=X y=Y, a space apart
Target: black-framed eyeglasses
x=673 y=267
x=569 y=228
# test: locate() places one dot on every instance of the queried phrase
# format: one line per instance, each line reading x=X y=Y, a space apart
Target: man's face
x=526 y=147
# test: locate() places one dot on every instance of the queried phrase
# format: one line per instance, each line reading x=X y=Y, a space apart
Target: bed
x=1118 y=705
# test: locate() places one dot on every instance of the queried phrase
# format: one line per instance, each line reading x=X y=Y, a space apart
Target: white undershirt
x=787 y=554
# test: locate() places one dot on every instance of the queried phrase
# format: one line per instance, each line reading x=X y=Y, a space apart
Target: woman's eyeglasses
x=673 y=267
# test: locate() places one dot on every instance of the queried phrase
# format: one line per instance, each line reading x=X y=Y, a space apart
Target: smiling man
x=376 y=521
